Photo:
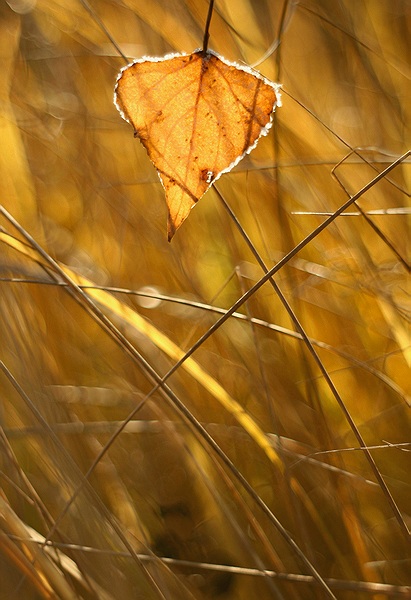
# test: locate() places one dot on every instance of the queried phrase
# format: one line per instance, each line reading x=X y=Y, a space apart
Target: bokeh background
x=159 y=501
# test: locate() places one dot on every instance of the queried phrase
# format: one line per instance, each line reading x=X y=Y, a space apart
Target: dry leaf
x=197 y=115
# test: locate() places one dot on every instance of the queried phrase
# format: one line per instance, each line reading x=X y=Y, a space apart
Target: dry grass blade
x=45 y=574
x=74 y=282
x=172 y=420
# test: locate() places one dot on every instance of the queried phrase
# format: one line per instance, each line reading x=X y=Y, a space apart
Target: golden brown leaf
x=197 y=116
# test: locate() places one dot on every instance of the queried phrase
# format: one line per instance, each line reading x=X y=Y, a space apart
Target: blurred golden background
x=78 y=189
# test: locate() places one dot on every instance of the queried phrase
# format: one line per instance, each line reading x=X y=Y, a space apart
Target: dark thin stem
x=207 y=26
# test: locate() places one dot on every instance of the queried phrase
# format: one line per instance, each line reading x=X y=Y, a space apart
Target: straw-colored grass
x=152 y=445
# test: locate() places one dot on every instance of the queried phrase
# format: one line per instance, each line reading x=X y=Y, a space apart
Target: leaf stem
x=207 y=26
